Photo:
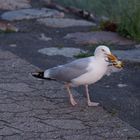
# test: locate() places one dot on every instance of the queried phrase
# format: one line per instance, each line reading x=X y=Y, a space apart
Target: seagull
x=84 y=71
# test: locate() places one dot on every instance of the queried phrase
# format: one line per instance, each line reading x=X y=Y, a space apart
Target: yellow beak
x=112 y=57
x=114 y=60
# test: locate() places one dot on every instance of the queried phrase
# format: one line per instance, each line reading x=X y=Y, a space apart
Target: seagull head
x=102 y=51
x=105 y=53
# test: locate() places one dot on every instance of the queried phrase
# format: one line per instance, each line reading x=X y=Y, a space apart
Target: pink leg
x=88 y=98
x=72 y=101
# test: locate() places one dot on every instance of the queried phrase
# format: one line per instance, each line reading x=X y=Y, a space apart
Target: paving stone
x=61 y=93
x=7 y=55
x=37 y=110
x=14 y=4
x=83 y=137
x=17 y=87
x=67 y=52
x=137 y=46
x=130 y=55
x=66 y=124
x=64 y=22
x=37 y=104
x=59 y=134
x=31 y=14
x=98 y=37
x=13 y=137
x=7 y=130
x=31 y=136
x=13 y=107
x=33 y=126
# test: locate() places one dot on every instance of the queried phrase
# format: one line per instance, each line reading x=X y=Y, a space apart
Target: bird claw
x=73 y=102
x=93 y=104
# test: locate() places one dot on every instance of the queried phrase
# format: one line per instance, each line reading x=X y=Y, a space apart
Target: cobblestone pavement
x=32 y=109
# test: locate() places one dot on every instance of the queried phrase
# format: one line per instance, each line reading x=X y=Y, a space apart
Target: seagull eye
x=103 y=50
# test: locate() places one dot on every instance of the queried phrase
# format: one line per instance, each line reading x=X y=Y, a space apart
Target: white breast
x=96 y=71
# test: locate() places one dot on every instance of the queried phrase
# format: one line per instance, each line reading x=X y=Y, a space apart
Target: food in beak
x=114 y=60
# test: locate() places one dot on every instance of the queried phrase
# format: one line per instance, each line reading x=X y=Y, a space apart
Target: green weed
x=125 y=13
x=82 y=55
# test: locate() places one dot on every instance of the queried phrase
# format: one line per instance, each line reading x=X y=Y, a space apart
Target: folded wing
x=68 y=71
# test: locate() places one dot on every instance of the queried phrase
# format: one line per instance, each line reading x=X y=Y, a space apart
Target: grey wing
x=69 y=71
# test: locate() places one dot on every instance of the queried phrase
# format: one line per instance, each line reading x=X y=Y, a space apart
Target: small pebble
x=13 y=45
x=122 y=85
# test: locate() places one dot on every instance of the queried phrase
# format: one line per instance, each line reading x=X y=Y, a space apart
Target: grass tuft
x=82 y=55
x=130 y=24
x=126 y=13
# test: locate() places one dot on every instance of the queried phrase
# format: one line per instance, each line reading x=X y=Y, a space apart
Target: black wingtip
x=38 y=74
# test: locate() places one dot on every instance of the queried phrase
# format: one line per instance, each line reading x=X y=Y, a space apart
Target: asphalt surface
x=121 y=101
